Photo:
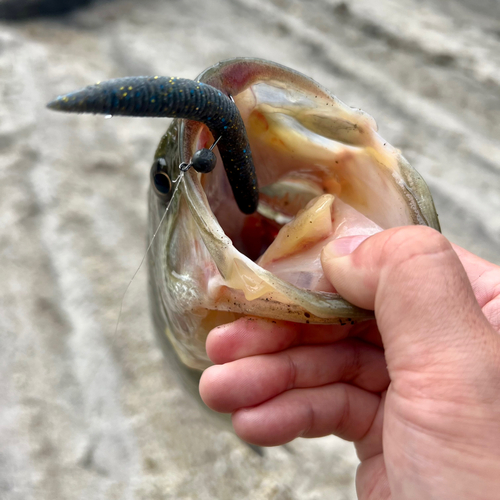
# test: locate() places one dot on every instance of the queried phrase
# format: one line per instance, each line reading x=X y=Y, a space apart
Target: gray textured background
x=86 y=414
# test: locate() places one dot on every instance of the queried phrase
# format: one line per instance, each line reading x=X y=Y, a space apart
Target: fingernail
x=343 y=246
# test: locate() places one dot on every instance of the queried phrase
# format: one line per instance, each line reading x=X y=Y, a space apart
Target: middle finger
x=251 y=381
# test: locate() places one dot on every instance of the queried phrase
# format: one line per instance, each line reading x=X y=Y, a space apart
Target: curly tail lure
x=161 y=96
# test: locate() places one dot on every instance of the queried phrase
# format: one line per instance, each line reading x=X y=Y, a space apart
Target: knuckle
x=403 y=244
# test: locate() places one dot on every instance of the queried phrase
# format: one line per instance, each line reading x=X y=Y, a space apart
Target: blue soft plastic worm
x=161 y=96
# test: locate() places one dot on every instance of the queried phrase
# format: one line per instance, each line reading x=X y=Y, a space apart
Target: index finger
x=250 y=336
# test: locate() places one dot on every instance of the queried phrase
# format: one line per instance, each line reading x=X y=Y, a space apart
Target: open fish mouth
x=322 y=171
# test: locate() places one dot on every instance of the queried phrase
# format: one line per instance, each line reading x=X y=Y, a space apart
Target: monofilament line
x=177 y=183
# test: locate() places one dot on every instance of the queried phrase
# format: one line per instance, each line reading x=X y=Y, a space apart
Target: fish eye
x=160 y=179
x=162 y=183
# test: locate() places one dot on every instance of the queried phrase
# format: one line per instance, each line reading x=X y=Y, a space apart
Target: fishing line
x=201 y=163
x=183 y=167
x=177 y=184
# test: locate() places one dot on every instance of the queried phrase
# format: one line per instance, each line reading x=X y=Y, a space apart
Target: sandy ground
x=85 y=413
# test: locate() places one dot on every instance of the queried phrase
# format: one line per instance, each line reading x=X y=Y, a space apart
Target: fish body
x=295 y=168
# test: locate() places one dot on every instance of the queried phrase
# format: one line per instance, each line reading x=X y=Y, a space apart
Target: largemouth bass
x=295 y=169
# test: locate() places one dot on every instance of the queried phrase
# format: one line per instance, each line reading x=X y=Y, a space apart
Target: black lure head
x=204 y=161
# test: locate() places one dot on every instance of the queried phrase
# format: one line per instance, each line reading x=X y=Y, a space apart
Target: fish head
x=323 y=173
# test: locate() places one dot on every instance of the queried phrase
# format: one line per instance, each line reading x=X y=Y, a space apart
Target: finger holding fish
x=250 y=336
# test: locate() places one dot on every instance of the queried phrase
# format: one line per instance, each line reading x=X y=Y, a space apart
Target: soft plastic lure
x=161 y=96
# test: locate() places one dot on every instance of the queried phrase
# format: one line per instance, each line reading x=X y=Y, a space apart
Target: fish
x=291 y=168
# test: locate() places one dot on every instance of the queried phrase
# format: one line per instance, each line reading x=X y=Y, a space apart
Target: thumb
x=425 y=308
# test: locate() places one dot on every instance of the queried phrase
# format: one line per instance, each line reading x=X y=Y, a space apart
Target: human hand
x=418 y=391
